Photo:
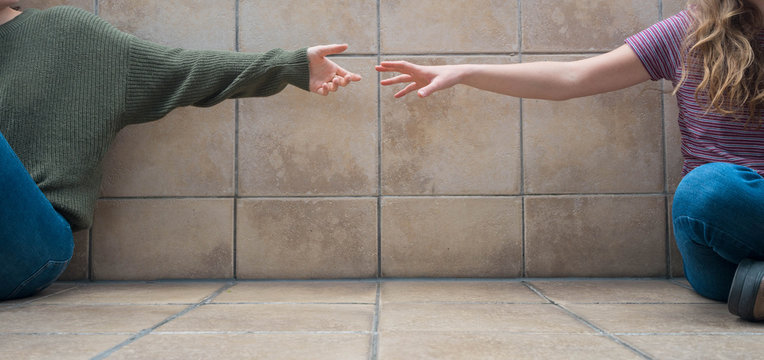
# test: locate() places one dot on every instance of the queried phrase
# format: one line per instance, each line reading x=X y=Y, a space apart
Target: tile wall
x=360 y=185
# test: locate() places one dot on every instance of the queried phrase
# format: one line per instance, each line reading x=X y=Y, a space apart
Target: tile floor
x=387 y=319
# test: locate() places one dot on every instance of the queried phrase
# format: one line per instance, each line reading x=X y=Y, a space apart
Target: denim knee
x=709 y=190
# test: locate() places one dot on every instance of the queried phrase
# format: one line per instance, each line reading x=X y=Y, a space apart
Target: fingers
x=411 y=87
x=397 y=66
x=324 y=50
x=397 y=79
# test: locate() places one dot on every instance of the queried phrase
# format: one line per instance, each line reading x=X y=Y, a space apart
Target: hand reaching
x=426 y=79
x=325 y=75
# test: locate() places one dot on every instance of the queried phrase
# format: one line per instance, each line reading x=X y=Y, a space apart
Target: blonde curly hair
x=723 y=41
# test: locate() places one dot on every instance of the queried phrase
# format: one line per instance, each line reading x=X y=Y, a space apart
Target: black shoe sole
x=745 y=288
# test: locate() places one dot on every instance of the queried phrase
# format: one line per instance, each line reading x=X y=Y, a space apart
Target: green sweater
x=70 y=81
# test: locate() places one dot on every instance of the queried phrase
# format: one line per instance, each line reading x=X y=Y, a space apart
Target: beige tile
x=306 y=238
x=274 y=317
x=248 y=346
x=79 y=267
x=83 y=318
x=617 y=291
x=191 y=24
x=300 y=143
x=291 y=24
x=60 y=347
x=674 y=158
x=457 y=291
x=44 y=4
x=677 y=265
x=152 y=239
x=689 y=347
x=671 y=7
x=485 y=345
x=451 y=237
x=507 y=318
x=574 y=25
x=663 y=318
x=188 y=153
x=301 y=292
x=55 y=288
x=605 y=236
x=456 y=141
x=608 y=143
x=135 y=293
x=432 y=26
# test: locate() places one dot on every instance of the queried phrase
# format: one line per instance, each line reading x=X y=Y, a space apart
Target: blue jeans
x=35 y=241
x=718 y=217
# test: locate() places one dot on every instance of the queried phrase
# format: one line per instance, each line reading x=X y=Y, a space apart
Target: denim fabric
x=35 y=241
x=718 y=217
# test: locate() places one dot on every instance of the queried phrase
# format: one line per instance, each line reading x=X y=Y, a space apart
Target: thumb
x=325 y=50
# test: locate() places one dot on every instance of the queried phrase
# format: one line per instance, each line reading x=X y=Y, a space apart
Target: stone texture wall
x=359 y=185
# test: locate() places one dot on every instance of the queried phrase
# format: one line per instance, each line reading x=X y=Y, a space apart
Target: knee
x=710 y=188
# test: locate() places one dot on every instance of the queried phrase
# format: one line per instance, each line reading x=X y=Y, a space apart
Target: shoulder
x=68 y=20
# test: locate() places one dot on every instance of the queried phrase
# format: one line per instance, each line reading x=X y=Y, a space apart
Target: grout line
x=147 y=331
x=95 y=7
x=523 y=272
x=587 y=323
x=379 y=145
x=297 y=197
x=374 y=347
x=234 y=265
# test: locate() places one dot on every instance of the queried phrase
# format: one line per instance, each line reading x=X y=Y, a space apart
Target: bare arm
x=618 y=69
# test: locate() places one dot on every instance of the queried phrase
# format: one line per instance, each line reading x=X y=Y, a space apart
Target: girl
x=714 y=55
x=68 y=83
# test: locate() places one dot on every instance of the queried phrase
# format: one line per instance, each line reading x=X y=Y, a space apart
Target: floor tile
x=83 y=318
x=457 y=291
x=59 y=347
x=274 y=317
x=248 y=346
x=617 y=291
x=477 y=345
x=663 y=318
x=301 y=292
x=135 y=293
x=690 y=347
x=535 y=318
x=55 y=288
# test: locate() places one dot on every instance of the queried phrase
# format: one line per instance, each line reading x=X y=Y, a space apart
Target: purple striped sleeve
x=658 y=46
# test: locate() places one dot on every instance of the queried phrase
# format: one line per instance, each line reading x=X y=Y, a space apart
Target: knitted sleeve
x=161 y=79
x=658 y=47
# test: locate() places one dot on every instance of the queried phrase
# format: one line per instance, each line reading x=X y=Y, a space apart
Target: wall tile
x=671 y=7
x=191 y=24
x=457 y=141
x=300 y=143
x=292 y=24
x=674 y=158
x=677 y=265
x=79 y=268
x=595 y=236
x=451 y=237
x=163 y=239
x=608 y=143
x=574 y=25
x=44 y=4
x=306 y=238
x=456 y=26
x=188 y=153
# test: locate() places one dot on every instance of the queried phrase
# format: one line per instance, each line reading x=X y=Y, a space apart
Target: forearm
x=537 y=80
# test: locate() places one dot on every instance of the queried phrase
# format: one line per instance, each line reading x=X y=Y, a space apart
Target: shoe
x=747 y=291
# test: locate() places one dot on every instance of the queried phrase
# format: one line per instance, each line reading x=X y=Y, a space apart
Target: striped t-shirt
x=706 y=137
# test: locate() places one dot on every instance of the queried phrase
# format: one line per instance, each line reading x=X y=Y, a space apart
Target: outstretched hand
x=425 y=79
x=325 y=75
